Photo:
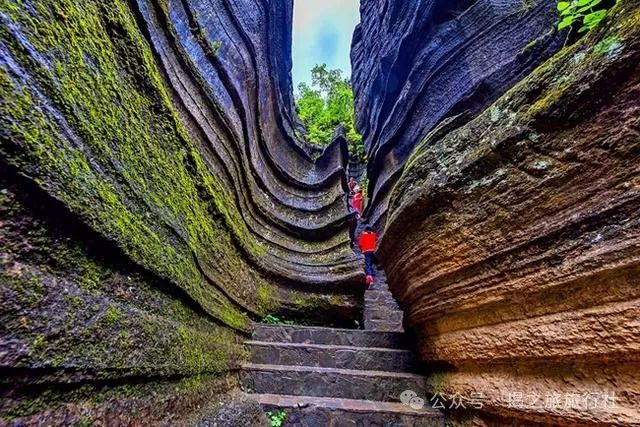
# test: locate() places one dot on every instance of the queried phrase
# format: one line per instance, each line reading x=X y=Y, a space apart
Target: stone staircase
x=339 y=377
x=334 y=377
x=381 y=311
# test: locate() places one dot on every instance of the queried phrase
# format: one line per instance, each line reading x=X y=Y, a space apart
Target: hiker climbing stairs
x=381 y=311
x=338 y=377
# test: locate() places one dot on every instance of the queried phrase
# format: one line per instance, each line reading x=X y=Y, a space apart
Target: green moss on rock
x=111 y=165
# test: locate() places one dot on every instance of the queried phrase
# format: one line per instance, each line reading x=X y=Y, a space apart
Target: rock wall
x=520 y=273
x=155 y=198
x=416 y=63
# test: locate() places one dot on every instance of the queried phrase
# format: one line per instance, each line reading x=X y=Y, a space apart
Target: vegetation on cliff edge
x=327 y=104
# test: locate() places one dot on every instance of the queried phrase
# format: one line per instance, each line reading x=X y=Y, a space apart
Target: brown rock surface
x=520 y=274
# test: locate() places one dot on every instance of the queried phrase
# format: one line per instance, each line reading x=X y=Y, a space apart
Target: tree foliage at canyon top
x=326 y=104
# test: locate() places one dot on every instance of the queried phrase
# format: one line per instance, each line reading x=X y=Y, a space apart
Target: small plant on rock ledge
x=588 y=13
x=277 y=419
x=271 y=319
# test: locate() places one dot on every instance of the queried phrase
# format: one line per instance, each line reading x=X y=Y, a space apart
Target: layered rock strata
x=519 y=277
x=155 y=197
x=416 y=63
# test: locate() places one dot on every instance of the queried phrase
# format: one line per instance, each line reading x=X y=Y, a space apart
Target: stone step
x=331 y=356
x=380 y=299
x=308 y=411
x=383 y=313
x=383 y=326
x=372 y=294
x=329 y=382
x=378 y=287
x=329 y=336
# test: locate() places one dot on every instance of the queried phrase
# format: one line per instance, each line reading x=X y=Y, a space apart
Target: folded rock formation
x=519 y=275
x=155 y=197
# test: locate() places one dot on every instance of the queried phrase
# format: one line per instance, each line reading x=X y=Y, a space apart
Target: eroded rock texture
x=418 y=62
x=520 y=275
x=154 y=198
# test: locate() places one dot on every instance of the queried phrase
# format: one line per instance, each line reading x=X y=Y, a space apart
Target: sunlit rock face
x=155 y=198
x=512 y=242
x=416 y=63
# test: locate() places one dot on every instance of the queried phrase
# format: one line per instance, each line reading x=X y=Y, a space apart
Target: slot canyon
x=158 y=199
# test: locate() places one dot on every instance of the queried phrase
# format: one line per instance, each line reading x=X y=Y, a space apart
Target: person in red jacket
x=368 y=242
x=352 y=185
x=357 y=200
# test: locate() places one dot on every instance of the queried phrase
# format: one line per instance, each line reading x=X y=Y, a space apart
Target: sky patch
x=322 y=32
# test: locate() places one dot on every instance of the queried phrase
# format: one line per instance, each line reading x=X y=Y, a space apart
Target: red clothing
x=357 y=202
x=368 y=241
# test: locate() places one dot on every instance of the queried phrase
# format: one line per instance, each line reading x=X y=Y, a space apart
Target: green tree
x=327 y=104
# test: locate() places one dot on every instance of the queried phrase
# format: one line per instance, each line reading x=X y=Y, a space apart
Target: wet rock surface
x=519 y=271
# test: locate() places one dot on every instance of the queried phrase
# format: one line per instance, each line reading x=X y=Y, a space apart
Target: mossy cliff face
x=85 y=331
x=156 y=198
x=520 y=273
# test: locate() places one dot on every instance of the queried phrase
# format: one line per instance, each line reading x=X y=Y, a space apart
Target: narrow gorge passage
x=175 y=245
